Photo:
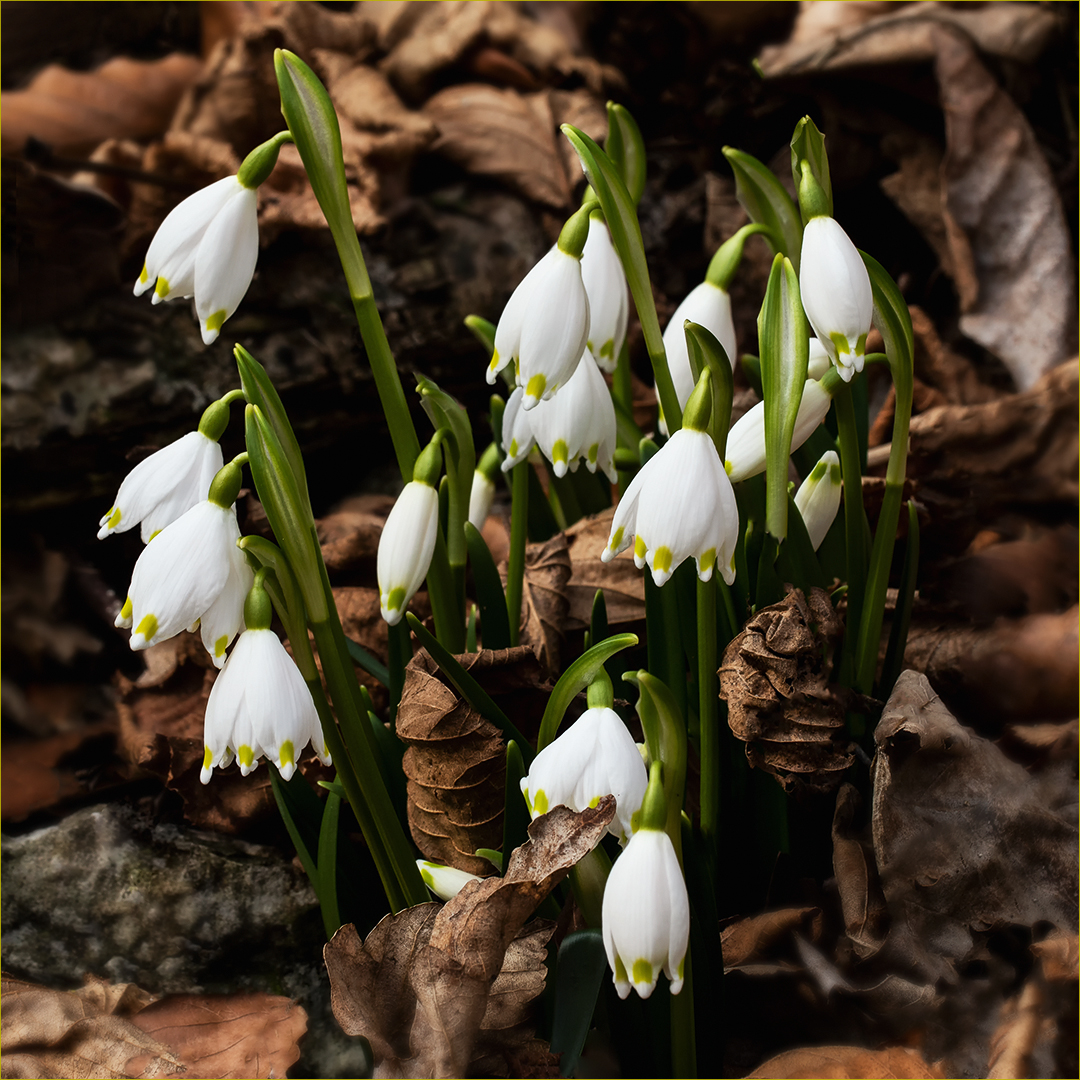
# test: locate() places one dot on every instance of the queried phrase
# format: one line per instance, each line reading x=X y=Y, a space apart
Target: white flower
x=709 y=306
x=605 y=285
x=543 y=327
x=444 y=881
x=836 y=294
x=819 y=361
x=818 y=497
x=594 y=757
x=517 y=431
x=680 y=504
x=259 y=706
x=480 y=497
x=746 y=440
x=164 y=486
x=207 y=248
x=646 y=915
x=578 y=422
x=405 y=548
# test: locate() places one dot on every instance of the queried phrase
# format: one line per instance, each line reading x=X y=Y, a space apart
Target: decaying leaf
x=435 y=988
x=866 y=915
x=1001 y=201
x=622 y=582
x=456 y=760
x=544 y=603
x=752 y=939
x=1018 y=1030
x=847 y=1061
x=774 y=680
x=1059 y=956
x=962 y=839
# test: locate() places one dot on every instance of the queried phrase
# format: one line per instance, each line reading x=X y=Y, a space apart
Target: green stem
x=708 y=714
x=446 y=599
x=519 y=524
x=683 y=1035
x=854 y=515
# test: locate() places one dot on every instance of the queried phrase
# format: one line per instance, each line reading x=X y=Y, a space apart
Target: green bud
x=257 y=607
x=654 y=805
x=490 y=461
x=698 y=412
x=576 y=231
x=813 y=202
x=226 y=485
x=600 y=694
x=259 y=164
x=215 y=420
x=429 y=464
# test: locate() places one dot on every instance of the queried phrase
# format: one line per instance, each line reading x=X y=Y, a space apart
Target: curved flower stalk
x=818 y=497
x=709 y=306
x=594 y=757
x=207 y=246
x=681 y=503
x=192 y=573
x=576 y=424
x=545 y=324
x=836 y=294
x=746 y=440
x=605 y=285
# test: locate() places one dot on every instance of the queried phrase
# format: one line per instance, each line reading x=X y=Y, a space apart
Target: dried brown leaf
x=235 y=1035
x=544 y=602
x=622 y=582
x=862 y=902
x=350 y=535
x=1018 y=1030
x=847 y=1061
x=1002 y=205
x=501 y=133
x=437 y=990
x=774 y=678
x=1059 y=956
x=755 y=937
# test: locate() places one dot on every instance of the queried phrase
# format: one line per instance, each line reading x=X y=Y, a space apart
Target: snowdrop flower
x=836 y=294
x=259 y=705
x=819 y=361
x=207 y=246
x=192 y=573
x=483 y=486
x=517 y=431
x=408 y=538
x=681 y=503
x=605 y=286
x=646 y=915
x=579 y=422
x=444 y=881
x=709 y=306
x=594 y=757
x=746 y=440
x=818 y=497
x=545 y=324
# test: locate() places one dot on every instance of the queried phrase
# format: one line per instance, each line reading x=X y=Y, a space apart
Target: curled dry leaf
x=1059 y=956
x=847 y=1061
x=862 y=903
x=350 y=535
x=1018 y=1030
x=774 y=678
x=622 y=582
x=1001 y=203
x=435 y=989
x=754 y=938
x=544 y=603
x=962 y=838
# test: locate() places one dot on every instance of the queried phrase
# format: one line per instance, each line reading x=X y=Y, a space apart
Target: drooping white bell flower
x=187 y=573
x=605 y=286
x=818 y=497
x=680 y=504
x=444 y=881
x=405 y=548
x=646 y=915
x=207 y=247
x=480 y=497
x=707 y=305
x=543 y=328
x=259 y=706
x=163 y=486
x=577 y=423
x=818 y=362
x=746 y=440
x=594 y=757
x=836 y=295
x=518 y=438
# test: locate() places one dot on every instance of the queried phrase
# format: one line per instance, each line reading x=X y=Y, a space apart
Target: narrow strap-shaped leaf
x=466 y=685
x=515 y=810
x=328 y=846
x=494 y=624
x=483 y=331
x=705 y=349
x=626 y=148
x=767 y=202
x=576 y=677
x=797 y=562
x=579 y=975
x=808 y=144
x=894 y=654
x=365 y=661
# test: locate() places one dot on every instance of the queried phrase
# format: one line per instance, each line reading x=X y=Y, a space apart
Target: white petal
x=405 y=548
x=225 y=261
x=709 y=306
x=480 y=497
x=508 y=330
x=517 y=432
x=605 y=285
x=223 y=619
x=818 y=497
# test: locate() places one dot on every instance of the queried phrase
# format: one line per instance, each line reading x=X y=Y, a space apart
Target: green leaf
x=494 y=624
x=808 y=145
x=894 y=654
x=327 y=865
x=576 y=677
x=797 y=562
x=579 y=975
x=366 y=662
x=785 y=353
x=767 y=202
x=706 y=351
x=515 y=811
x=626 y=148
x=466 y=685
x=483 y=331
x=620 y=213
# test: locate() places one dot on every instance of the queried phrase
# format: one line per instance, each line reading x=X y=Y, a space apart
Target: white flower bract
x=836 y=294
x=605 y=285
x=680 y=504
x=405 y=548
x=259 y=706
x=164 y=486
x=543 y=328
x=594 y=757
x=646 y=915
x=746 y=440
x=818 y=497
x=191 y=571
x=709 y=306
x=206 y=247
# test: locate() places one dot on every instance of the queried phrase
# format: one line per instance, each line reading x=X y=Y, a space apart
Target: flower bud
x=405 y=548
x=818 y=497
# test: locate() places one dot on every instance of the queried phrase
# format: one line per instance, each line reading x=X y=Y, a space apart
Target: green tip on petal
x=144 y=277
x=642 y=972
x=114 y=517
x=147 y=627
x=640 y=548
x=396 y=599
x=540 y=803
x=662 y=559
x=125 y=611
x=161 y=289
x=215 y=321
x=221 y=645
x=494 y=361
x=536 y=386
x=207 y=757
x=287 y=753
x=560 y=452
x=616 y=539
x=620 y=970
x=246 y=756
